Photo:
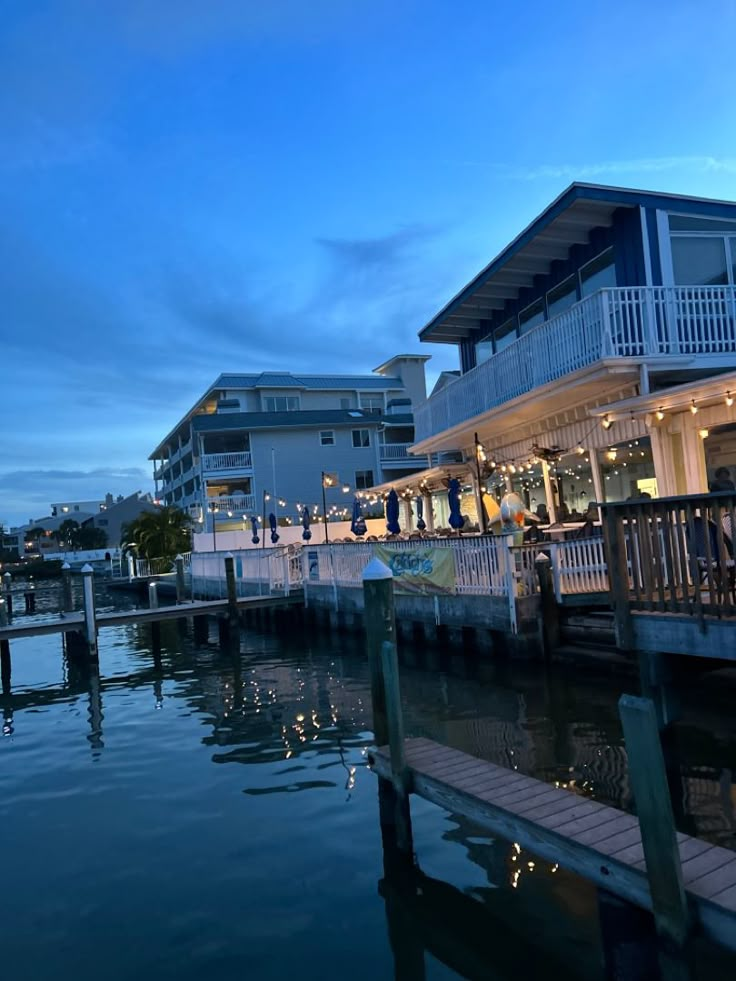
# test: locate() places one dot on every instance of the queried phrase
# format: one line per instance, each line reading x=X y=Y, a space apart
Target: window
x=562 y=296
x=281 y=403
x=532 y=316
x=699 y=261
x=363 y=479
x=361 y=437
x=372 y=403
x=598 y=273
x=483 y=350
x=690 y=223
x=327 y=437
x=505 y=334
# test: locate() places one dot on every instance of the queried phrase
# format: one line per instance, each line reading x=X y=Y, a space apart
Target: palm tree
x=159 y=534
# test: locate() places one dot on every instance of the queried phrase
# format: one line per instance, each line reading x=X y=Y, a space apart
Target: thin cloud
x=697 y=164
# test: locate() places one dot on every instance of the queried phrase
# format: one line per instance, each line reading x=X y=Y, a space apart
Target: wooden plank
x=581 y=808
x=578 y=825
x=624 y=839
x=516 y=795
x=716 y=881
x=726 y=898
x=622 y=822
x=704 y=862
x=492 y=781
x=445 y=771
x=550 y=800
x=648 y=780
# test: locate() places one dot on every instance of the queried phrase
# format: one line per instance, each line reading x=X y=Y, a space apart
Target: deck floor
x=600 y=842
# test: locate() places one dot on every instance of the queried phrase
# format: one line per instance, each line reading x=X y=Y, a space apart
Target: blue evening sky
x=196 y=186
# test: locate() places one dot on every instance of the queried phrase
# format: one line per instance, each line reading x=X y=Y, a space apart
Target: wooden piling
x=232 y=590
x=153 y=595
x=67 y=601
x=201 y=629
x=180 y=581
x=550 y=612
x=30 y=599
x=5 y=665
x=654 y=810
x=7 y=584
x=90 y=623
x=393 y=799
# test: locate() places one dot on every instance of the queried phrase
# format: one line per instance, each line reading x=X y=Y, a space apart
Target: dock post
x=180 y=581
x=656 y=822
x=90 y=623
x=30 y=598
x=4 y=651
x=380 y=621
x=131 y=566
x=7 y=583
x=232 y=591
x=153 y=596
x=550 y=610
x=67 y=602
x=201 y=629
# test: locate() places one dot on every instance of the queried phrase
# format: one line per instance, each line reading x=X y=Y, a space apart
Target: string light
x=703 y=433
x=729 y=399
x=606 y=422
x=659 y=414
x=693 y=408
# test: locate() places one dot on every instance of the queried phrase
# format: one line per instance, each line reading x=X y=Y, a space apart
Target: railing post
x=656 y=822
x=153 y=596
x=180 y=582
x=618 y=575
x=131 y=565
x=67 y=601
x=90 y=623
x=607 y=349
x=510 y=580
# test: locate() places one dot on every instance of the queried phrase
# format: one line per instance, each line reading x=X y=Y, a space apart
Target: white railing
x=267 y=571
x=578 y=567
x=152 y=567
x=394 y=451
x=227 y=461
x=627 y=322
x=237 y=503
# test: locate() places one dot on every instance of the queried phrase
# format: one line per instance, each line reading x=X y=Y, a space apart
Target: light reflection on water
x=214 y=816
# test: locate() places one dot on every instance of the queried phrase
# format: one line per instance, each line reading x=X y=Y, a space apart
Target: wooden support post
x=224 y=632
x=7 y=583
x=654 y=809
x=232 y=590
x=394 y=718
x=380 y=622
x=153 y=596
x=618 y=574
x=30 y=599
x=67 y=601
x=201 y=629
x=90 y=623
x=550 y=611
x=180 y=581
x=4 y=651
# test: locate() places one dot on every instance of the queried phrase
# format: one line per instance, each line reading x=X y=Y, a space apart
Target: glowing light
x=606 y=422
x=729 y=399
x=703 y=433
x=693 y=408
x=659 y=414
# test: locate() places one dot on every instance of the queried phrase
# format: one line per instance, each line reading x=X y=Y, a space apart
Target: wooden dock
x=75 y=621
x=599 y=842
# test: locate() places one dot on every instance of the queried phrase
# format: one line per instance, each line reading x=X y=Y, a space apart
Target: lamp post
x=214 y=509
x=480 y=456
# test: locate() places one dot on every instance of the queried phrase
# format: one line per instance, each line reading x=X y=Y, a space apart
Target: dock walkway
x=599 y=842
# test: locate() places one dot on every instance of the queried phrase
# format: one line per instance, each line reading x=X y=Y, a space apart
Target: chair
x=703 y=544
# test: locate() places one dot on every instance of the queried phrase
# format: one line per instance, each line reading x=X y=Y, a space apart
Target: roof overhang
x=435 y=478
x=677 y=398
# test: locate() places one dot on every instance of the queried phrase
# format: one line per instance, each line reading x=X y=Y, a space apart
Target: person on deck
x=722 y=481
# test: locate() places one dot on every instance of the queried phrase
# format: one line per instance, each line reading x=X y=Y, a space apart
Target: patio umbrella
x=357 y=525
x=421 y=523
x=306 y=534
x=272 y=522
x=453 y=499
x=254 y=525
x=392 y=513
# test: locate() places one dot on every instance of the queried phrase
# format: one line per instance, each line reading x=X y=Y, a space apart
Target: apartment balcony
x=237 y=503
x=182 y=451
x=221 y=463
x=396 y=455
x=679 y=326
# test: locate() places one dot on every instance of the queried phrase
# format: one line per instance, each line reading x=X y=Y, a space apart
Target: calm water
x=213 y=817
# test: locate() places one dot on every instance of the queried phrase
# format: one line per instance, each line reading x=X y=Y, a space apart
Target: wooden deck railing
x=672 y=555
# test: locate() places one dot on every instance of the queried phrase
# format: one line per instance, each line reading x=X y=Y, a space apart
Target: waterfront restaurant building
x=597 y=354
x=275 y=433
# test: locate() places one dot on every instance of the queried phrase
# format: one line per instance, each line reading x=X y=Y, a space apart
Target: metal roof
x=269 y=379
x=305 y=419
x=567 y=221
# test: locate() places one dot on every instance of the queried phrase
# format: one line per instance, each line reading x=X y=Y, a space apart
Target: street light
x=214 y=509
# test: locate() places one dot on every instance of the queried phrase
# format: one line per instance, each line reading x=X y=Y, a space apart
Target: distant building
x=275 y=433
x=121 y=512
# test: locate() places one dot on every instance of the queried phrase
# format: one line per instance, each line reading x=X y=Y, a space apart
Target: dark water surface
x=214 y=817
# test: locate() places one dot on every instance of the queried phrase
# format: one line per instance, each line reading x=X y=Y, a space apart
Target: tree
x=67 y=532
x=162 y=533
x=82 y=537
x=35 y=533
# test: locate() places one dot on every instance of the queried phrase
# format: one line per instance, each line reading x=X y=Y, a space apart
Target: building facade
x=261 y=442
x=597 y=353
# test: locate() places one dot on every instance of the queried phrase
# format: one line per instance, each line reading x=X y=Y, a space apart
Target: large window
x=363 y=479
x=505 y=334
x=281 y=403
x=598 y=273
x=361 y=438
x=483 y=350
x=372 y=403
x=531 y=316
x=562 y=296
x=703 y=251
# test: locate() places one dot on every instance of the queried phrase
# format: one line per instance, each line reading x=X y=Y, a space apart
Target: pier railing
x=673 y=555
x=272 y=570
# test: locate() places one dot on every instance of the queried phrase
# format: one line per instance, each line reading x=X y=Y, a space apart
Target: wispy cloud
x=581 y=171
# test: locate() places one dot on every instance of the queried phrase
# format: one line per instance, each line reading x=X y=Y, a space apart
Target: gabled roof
x=567 y=221
x=274 y=379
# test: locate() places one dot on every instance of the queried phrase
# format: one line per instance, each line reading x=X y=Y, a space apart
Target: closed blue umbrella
x=306 y=534
x=453 y=499
x=272 y=522
x=254 y=525
x=392 y=513
x=421 y=523
x=357 y=525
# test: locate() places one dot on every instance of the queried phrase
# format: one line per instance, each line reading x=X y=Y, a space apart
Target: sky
x=195 y=186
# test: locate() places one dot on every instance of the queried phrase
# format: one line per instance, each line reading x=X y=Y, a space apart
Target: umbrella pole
x=324 y=509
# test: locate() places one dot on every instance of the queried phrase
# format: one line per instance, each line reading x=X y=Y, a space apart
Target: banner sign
x=421 y=571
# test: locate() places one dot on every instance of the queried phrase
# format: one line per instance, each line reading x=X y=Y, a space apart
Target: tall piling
x=67 y=600
x=90 y=621
x=180 y=580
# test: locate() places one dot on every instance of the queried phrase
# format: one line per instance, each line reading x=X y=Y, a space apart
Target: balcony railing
x=226 y=461
x=237 y=503
x=628 y=322
x=394 y=451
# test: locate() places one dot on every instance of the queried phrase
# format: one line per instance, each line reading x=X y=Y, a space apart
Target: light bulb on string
x=729 y=399
x=659 y=414
x=693 y=408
